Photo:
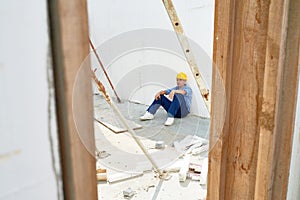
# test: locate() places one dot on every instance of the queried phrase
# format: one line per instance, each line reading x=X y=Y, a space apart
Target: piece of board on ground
x=118 y=128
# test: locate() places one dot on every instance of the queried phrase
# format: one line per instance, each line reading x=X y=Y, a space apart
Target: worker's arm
x=173 y=92
x=157 y=96
x=183 y=92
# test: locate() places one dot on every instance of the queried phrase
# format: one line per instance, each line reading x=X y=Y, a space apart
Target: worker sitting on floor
x=178 y=106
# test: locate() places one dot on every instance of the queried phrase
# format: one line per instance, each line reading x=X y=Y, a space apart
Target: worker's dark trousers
x=176 y=108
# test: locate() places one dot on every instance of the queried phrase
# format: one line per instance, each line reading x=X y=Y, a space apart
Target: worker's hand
x=172 y=93
x=157 y=96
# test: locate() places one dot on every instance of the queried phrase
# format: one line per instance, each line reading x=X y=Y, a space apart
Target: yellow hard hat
x=182 y=76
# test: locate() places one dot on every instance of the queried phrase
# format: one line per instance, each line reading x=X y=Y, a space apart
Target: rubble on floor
x=181 y=155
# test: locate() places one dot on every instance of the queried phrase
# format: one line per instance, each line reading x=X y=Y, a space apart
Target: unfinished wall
x=29 y=165
x=110 y=18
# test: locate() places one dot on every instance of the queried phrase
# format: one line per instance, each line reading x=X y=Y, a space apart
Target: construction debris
x=159 y=145
x=122 y=177
x=189 y=143
x=195 y=167
x=201 y=149
x=101 y=171
x=102 y=154
x=101 y=175
x=185 y=165
x=195 y=172
x=175 y=167
x=194 y=177
x=165 y=176
x=148 y=187
x=128 y=193
x=184 y=168
x=119 y=128
x=204 y=172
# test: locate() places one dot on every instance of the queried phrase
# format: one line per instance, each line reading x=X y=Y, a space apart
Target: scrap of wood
x=148 y=187
x=201 y=149
x=194 y=176
x=195 y=167
x=101 y=171
x=116 y=129
x=101 y=175
x=122 y=177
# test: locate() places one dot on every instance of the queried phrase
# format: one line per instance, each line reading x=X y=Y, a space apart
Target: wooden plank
x=114 y=178
x=279 y=101
x=239 y=55
x=250 y=37
x=222 y=59
x=267 y=138
x=287 y=96
x=69 y=46
x=120 y=128
x=256 y=49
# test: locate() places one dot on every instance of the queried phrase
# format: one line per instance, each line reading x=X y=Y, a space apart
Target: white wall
x=29 y=169
x=111 y=18
x=294 y=178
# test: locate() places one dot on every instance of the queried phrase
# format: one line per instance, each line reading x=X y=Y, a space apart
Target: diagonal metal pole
x=103 y=69
x=101 y=88
x=183 y=40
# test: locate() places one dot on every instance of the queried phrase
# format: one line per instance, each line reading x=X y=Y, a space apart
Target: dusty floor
x=121 y=155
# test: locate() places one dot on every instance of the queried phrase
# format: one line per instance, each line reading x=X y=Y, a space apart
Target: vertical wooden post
x=69 y=43
x=286 y=103
x=222 y=59
x=279 y=100
x=239 y=55
x=260 y=80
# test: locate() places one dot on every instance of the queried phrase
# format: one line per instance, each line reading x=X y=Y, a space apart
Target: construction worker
x=179 y=104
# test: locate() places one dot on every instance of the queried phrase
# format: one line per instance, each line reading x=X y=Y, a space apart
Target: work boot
x=147 y=116
x=169 y=121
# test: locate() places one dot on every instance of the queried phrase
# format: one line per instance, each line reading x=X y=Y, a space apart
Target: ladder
x=184 y=43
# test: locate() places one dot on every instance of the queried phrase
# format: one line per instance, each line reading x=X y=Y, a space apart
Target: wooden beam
x=69 y=46
x=257 y=58
x=239 y=55
x=279 y=101
x=287 y=99
x=222 y=57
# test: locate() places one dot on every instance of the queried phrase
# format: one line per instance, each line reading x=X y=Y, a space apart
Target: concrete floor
x=122 y=154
